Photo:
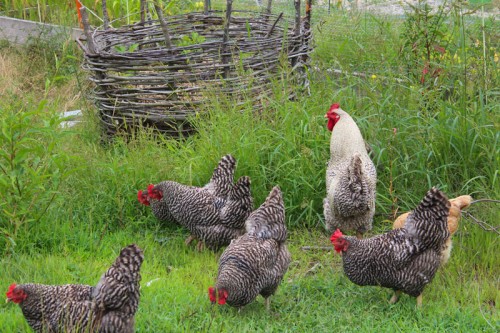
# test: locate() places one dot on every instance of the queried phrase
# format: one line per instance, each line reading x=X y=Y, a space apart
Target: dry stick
x=86 y=30
x=206 y=7
x=296 y=30
x=274 y=25
x=306 y=38
x=324 y=248
x=143 y=11
x=225 y=57
x=485 y=226
x=297 y=17
x=269 y=5
x=163 y=24
x=484 y=200
x=105 y=16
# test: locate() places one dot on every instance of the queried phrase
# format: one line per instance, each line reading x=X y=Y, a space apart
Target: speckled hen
x=215 y=213
x=256 y=262
x=351 y=177
x=109 y=307
x=404 y=259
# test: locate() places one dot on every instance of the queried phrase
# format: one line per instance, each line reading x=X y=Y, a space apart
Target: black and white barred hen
x=405 y=259
x=215 y=213
x=256 y=262
x=109 y=307
x=351 y=177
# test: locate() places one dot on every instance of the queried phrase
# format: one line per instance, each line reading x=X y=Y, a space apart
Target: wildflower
x=374 y=76
x=199 y=5
x=495 y=57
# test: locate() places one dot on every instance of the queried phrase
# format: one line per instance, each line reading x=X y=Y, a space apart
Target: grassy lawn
x=315 y=294
x=68 y=201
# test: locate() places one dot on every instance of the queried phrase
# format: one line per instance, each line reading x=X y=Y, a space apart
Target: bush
x=31 y=169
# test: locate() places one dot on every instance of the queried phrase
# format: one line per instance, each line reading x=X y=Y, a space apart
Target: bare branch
x=485 y=226
x=323 y=248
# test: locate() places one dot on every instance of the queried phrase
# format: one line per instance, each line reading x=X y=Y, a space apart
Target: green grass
x=175 y=279
x=92 y=211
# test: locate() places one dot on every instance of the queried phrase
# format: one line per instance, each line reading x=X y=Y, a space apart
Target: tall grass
x=454 y=145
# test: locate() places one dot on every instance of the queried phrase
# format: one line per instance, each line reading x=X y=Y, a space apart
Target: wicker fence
x=160 y=72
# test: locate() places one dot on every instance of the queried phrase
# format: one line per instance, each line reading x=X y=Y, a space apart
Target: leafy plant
x=31 y=168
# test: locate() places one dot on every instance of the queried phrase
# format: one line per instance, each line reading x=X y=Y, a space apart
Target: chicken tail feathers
x=241 y=189
x=268 y=221
x=222 y=177
x=355 y=174
x=428 y=222
x=118 y=288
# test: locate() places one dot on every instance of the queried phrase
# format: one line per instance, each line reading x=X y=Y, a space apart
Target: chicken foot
x=190 y=239
x=395 y=297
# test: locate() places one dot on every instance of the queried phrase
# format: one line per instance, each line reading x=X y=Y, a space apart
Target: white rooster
x=351 y=177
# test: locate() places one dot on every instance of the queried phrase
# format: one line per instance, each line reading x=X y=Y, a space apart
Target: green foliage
x=73 y=237
x=425 y=37
x=31 y=169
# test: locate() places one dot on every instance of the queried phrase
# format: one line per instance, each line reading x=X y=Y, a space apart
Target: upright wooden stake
x=269 y=5
x=86 y=30
x=307 y=21
x=225 y=57
x=206 y=7
x=307 y=30
x=143 y=11
x=105 y=16
x=163 y=23
x=297 y=17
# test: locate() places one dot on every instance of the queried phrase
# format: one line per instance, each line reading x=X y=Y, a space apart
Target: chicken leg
x=395 y=297
x=189 y=239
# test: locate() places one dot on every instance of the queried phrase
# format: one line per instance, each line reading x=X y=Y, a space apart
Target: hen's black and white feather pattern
x=256 y=262
x=403 y=259
x=221 y=182
x=109 y=307
x=216 y=213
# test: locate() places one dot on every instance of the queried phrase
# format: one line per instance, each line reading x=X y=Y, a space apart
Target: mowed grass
x=314 y=296
x=94 y=212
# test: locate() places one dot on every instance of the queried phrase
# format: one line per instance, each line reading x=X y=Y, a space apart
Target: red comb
x=336 y=235
x=150 y=189
x=11 y=289
x=222 y=297
x=211 y=294
x=143 y=198
x=334 y=106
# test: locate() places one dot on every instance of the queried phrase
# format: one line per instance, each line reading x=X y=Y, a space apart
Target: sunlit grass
x=96 y=213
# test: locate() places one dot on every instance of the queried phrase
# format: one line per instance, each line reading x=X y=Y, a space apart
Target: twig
x=105 y=16
x=269 y=6
x=86 y=30
x=274 y=25
x=143 y=7
x=485 y=226
x=484 y=200
x=309 y=248
x=297 y=17
x=225 y=39
x=163 y=24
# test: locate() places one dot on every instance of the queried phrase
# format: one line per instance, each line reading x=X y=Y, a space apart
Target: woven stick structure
x=158 y=72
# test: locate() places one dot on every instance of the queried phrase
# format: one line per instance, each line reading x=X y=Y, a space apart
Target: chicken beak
x=326 y=115
x=7 y=300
